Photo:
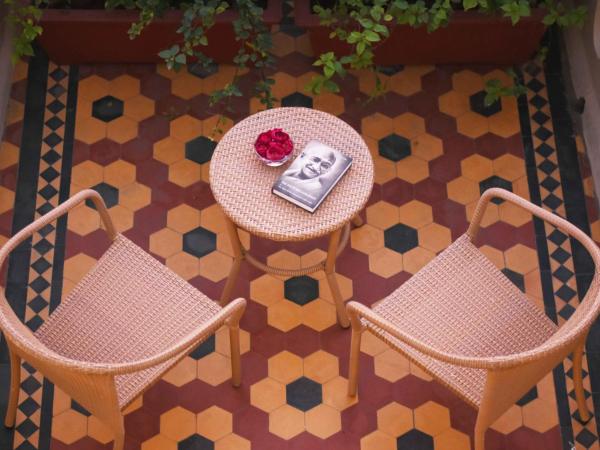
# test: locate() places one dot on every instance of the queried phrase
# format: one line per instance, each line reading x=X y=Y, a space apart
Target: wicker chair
x=465 y=323
x=127 y=322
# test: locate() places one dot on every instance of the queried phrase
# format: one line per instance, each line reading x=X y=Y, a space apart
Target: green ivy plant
x=364 y=25
x=23 y=17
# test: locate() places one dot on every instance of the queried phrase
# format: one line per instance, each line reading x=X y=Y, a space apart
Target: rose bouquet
x=274 y=147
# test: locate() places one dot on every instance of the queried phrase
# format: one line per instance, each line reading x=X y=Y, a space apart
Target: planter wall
x=100 y=36
x=470 y=37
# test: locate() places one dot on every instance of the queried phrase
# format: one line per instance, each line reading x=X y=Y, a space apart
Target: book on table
x=312 y=175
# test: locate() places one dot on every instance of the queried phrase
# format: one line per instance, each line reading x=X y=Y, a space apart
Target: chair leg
x=15 y=383
x=236 y=364
x=480 y=436
x=584 y=414
x=119 y=442
x=354 y=361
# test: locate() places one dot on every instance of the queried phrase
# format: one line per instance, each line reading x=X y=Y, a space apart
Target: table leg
x=238 y=256
x=334 y=241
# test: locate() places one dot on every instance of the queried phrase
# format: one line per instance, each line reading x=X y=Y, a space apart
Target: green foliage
x=24 y=18
x=365 y=24
x=494 y=89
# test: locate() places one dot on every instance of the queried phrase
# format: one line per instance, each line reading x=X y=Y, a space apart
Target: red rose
x=274 y=144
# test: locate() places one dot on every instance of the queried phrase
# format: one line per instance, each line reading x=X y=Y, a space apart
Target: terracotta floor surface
x=143 y=137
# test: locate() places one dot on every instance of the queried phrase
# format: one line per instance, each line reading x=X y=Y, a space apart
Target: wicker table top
x=241 y=183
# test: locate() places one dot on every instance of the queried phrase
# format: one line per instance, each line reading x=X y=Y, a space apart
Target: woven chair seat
x=461 y=304
x=127 y=308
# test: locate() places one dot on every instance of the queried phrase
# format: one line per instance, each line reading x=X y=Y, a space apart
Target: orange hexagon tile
x=378 y=440
x=372 y=345
x=318 y=314
x=159 y=442
x=412 y=169
x=139 y=108
x=427 y=147
x=135 y=196
x=509 y=167
x=395 y=419
x=9 y=154
x=344 y=283
x=509 y=421
x=540 y=415
x=366 y=239
x=182 y=373
x=121 y=129
x=284 y=259
x=513 y=214
x=391 y=365
x=284 y=315
x=268 y=394
x=184 y=265
x=494 y=255
x=321 y=366
x=432 y=418
x=328 y=102
x=266 y=290
x=178 y=423
x=323 y=421
x=477 y=167
x=385 y=262
x=382 y=215
x=124 y=87
x=183 y=218
x=521 y=259
x=213 y=219
x=76 y=267
x=93 y=88
x=185 y=128
x=377 y=126
x=472 y=124
x=335 y=394
x=90 y=130
x=406 y=82
x=385 y=170
x=434 y=237
x=214 y=423
x=215 y=266
x=122 y=218
x=119 y=173
x=83 y=220
x=69 y=426
x=222 y=341
x=490 y=216
x=452 y=439
x=504 y=124
x=467 y=82
x=97 y=430
x=409 y=125
x=286 y=422
x=416 y=258
x=285 y=367
x=87 y=174
x=7 y=199
x=165 y=242
x=169 y=150
x=454 y=103
x=232 y=442
x=283 y=44
x=463 y=190
x=214 y=369
x=184 y=173
x=186 y=85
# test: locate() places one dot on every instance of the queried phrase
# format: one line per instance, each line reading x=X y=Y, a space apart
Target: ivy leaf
x=371 y=36
x=469 y=4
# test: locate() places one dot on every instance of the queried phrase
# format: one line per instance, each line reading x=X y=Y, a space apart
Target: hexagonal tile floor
x=143 y=137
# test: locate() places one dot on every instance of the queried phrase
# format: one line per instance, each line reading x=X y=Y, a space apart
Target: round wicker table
x=242 y=184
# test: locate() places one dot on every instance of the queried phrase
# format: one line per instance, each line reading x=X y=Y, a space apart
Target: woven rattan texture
x=127 y=308
x=462 y=304
x=242 y=184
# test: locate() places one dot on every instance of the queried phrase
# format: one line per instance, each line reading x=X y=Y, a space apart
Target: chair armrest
x=553 y=219
x=61 y=209
x=229 y=315
x=357 y=311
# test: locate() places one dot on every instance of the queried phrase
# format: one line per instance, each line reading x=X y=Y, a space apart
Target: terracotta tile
x=78 y=266
x=454 y=103
x=377 y=126
x=328 y=102
x=61 y=402
x=377 y=440
x=222 y=341
x=318 y=314
x=463 y=190
x=215 y=266
x=285 y=84
x=284 y=259
x=9 y=155
x=214 y=423
x=509 y=167
x=93 y=88
x=415 y=214
x=432 y=418
x=472 y=124
x=159 y=442
x=452 y=440
x=323 y=421
x=406 y=83
x=268 y=394
x=504 y=124
x=513 y=214
x=213 y=219
x=434 y=237
x=215 y=126
x=139 y=108
x=385 y=262
x=335 y=394
x=185 y=128
x=182 y=373
x=69 y=426
x=186 y=85
x=382 y=215
x=415 y=259
x=540 y=415
x=122 y=218
x=122 y=129
x=494 y=255
x=490 y=217
x=165 y=242
x=477 y=167
x=412 y=169
x=184 y=173
x=372 y=345
x=427 y=147
x=509 y=421
x=391 y=365
x=467 y=82
x=232 y=442
x=344 y=283
x=178 y=423
x=409 y=125
x=285 y=367
x=183 y=218
x=87 y=174
x=321 y=366
x=124 y=87
x=136 y=404
x=521 y=259
x=98 y=431
x=134 y=196
x=286 y=422
x=395 y=419
x=367 y=239
x=266 y=290
x=385 y=170
x=214 y=369
x=119 y=174
x=7 y=199
x=184 y=265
